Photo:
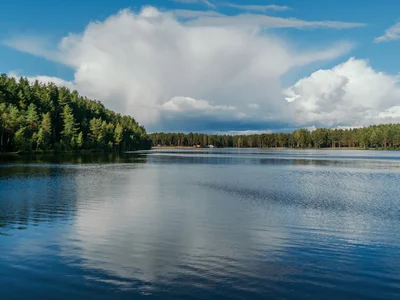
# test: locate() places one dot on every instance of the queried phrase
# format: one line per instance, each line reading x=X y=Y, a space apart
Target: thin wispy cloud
x=266 y=22
x=35 y=45
x=391 y=34
x=259 y=8
x=191 y=14
x=204 y=2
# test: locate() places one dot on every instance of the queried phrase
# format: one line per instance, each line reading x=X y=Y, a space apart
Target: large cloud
x=352 y=93
x=147 y=63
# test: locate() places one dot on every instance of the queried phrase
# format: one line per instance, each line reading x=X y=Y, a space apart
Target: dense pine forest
x=46 y=117
x=385 y=136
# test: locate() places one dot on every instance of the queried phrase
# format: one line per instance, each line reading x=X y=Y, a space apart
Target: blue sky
x=33 y=29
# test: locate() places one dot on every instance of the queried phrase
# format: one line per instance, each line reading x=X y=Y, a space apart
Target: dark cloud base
x=209 y=125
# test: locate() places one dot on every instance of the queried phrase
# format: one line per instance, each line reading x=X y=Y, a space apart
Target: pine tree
x=79 y=140
x=3 y=123
x=40 y=140
x=118 y=135
x=43 y=137
x=69 y=128
x=32 y=116
x=20 y=140
x=32 y=120
x=96 y=132
x=46 y=124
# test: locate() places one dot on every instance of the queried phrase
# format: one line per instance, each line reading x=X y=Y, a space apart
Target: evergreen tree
x=69 y=128
x=118 y=135
x=79 y=140
x=20 y=140
x=96 y=134
x=44 y=133
x=3 y=123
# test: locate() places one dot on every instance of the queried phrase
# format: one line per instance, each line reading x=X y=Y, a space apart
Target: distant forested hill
x=377 y=136
x=46 y=117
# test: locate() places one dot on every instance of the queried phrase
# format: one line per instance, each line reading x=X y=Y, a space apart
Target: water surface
x=201 y=224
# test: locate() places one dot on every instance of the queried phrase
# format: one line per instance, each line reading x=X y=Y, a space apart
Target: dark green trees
x=385 y=136
x=69 y=129
x=319 y=137
x=44 y=116
x=44 y=134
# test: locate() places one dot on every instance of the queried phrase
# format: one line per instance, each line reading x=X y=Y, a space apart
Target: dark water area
x=201 y=224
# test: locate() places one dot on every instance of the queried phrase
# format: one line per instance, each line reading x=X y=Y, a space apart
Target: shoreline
x=97 y=152
x=61 y=152
x=274 y=148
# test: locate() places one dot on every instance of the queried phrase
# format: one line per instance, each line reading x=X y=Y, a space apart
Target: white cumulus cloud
x=140 y=63
x=351 y=93
x=182 y=104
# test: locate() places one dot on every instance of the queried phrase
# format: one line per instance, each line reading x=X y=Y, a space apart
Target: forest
x=36 y=116
x=386 y=136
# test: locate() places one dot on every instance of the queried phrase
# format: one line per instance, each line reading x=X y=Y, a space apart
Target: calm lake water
x=201 y=224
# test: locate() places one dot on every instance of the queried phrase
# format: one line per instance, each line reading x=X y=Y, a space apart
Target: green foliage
x=319 y=137
x=118 y=135
x=376 y=136
x=96 y=133
x=20 y=140
x=44 y=116
x=69 y=128
x=79 y=140
x=45 y=131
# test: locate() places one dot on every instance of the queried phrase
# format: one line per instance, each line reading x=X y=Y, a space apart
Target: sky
x=215 y=66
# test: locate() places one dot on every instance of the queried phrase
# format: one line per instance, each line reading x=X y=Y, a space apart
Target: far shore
x=272 y=148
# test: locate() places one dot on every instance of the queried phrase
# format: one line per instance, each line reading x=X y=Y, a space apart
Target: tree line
x=385 y=136
x=37 y=116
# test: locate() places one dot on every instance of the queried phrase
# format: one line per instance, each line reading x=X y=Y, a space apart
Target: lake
x=201 y=224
